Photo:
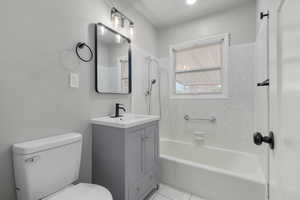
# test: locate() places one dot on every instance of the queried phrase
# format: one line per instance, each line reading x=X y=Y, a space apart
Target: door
x=134 y=155
x=285 y=100
x=150 y=148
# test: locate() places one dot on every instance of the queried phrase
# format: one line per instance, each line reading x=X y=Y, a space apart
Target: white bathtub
x=212 y=173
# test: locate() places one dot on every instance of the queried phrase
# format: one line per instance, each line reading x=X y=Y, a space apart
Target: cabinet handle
x=32 y=159
x=146 y=138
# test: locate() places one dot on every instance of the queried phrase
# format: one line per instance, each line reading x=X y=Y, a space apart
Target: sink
x=126 y=121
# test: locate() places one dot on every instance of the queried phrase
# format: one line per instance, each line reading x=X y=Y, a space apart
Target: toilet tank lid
x=46 y=143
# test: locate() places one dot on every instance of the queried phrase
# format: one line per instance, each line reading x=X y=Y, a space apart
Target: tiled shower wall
x=234 y=126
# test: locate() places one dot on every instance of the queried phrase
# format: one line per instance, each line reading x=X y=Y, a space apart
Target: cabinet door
x=134 y=155
x=149 y=148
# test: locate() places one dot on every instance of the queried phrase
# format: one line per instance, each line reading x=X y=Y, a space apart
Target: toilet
x=46 y=169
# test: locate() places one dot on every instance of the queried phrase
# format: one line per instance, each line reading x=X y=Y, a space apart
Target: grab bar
x=188 y=118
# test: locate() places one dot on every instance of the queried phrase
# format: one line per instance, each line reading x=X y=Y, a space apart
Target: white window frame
x=224 y=70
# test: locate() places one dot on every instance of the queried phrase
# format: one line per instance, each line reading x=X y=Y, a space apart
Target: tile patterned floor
x=166 y=192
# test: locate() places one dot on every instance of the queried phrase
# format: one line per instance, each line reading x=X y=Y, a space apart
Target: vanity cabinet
x=126 y=160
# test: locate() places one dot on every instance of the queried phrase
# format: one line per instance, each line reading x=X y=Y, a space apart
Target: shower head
x=149 y=91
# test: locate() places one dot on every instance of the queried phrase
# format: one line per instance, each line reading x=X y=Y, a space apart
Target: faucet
x=118 y=108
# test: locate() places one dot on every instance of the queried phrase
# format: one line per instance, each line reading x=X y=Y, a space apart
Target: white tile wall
x=235 y=117
x=139 y=81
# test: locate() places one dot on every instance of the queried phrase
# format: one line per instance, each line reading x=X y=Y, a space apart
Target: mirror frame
x=129 y=60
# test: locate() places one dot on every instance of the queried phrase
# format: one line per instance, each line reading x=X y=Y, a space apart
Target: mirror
x=113 y=61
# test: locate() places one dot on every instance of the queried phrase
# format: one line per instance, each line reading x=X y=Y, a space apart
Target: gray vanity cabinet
x=126 y=160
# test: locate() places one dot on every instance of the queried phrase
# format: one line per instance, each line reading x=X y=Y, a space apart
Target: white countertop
x=128 y=120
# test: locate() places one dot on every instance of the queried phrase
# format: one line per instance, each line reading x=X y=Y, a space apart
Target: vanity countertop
x=128 y=120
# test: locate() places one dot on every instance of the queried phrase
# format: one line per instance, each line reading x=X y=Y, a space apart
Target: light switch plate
x=74 y=80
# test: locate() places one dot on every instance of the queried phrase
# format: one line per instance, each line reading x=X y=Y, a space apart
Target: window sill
x=205 y=96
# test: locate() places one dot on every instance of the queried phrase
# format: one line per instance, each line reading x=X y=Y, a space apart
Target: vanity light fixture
x=119 y=19
x=102 y=28
x=116 y=21
x=190 y=2
x=118 y=38
x=131 y=27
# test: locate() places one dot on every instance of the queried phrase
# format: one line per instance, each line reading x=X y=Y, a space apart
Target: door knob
x=258 y=139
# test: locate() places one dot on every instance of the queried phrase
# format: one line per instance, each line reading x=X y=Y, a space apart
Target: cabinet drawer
x=148 y=184
x=138 y=190
x=135 y=191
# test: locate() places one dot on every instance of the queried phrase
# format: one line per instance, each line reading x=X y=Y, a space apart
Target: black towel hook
x=81 y=45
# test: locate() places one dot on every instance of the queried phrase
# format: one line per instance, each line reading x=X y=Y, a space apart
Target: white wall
x=36 y=57
x=239 y=22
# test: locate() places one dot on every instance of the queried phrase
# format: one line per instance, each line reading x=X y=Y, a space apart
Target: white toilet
x=47 y=168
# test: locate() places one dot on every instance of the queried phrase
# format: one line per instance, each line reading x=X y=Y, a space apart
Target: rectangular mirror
x=113 y=61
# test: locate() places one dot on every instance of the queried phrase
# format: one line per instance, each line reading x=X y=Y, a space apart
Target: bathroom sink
x=126 y=121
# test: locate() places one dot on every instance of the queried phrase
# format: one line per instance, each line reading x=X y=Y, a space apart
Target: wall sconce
x=119 y=19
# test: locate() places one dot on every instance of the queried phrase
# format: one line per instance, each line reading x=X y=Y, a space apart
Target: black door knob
x=258 y=139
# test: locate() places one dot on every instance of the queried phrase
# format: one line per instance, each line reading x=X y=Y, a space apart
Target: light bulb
x=116 y=20
x=118 y=38
x=102 y=28
x=190 y=2
x=131 y=31
x=131 y=27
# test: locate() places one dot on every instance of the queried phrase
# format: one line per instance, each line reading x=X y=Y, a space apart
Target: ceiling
x=163 y=13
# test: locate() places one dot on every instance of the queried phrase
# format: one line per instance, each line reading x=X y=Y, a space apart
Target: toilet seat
x=82 y=191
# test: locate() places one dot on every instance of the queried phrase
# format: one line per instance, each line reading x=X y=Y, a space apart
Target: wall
x=36 y=57
x=239 y=22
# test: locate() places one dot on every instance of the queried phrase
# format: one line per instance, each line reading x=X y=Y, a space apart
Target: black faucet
x=118 y=108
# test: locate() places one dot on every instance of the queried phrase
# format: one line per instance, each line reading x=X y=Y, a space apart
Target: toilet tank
x=43 y=167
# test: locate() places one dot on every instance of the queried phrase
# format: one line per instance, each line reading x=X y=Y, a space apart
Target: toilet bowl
x=46 y=169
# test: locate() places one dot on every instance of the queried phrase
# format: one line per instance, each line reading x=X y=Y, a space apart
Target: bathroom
x=231 y=138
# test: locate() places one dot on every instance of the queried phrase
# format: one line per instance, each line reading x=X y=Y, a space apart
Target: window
x=199 y=68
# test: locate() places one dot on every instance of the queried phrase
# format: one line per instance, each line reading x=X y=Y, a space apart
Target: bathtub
x=211 y=173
